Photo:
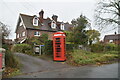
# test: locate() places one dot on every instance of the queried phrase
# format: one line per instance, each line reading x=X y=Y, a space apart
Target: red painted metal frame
x=59 y=46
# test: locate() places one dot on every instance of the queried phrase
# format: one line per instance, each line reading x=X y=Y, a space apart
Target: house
x=8 y=41
x=33 y=26
x=114 y=38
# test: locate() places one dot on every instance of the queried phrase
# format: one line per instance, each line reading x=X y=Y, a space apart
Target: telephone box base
x=59 y=60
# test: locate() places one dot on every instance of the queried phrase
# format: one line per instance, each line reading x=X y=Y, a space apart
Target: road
x=37 y=68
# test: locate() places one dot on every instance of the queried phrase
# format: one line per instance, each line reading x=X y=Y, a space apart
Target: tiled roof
x=68 y=26
x=112 y=37
x=29 y=19
x=44 y=25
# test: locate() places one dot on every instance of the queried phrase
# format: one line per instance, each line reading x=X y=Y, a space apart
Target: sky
x=66 y=10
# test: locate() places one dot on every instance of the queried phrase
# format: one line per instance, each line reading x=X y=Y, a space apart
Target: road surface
x=37 y=68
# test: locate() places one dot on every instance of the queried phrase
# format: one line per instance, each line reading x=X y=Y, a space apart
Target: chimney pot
x=54 y=17
x=41 y=13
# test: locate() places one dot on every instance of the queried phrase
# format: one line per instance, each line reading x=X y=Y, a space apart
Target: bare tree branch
x=107 y=13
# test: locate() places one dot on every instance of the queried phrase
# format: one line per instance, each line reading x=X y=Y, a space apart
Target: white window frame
x=23 y=33
x=35 y=21
x=18 y=35
x=53 y=25
x=62 y=27
x=38 y=33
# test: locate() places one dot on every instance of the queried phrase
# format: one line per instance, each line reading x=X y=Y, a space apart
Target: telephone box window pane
x=57 y=54
x=58 y=43
x=58 y=49
x=57 y=39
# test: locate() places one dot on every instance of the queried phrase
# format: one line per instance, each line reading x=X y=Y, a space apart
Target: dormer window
x=53 y=24
x=35 y=21
x=62 y=26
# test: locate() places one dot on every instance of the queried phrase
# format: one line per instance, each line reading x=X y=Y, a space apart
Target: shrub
x=23 y=48
x=71 y=47
x=97 y=47
x=48 y=48
x=11 y=60
x=111 y=47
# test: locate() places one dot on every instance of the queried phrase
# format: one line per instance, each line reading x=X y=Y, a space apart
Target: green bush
x=97 y=47
x=11 y=60
x=71 y=47
x=48 y=48
x=111 y=47
x=23 y=48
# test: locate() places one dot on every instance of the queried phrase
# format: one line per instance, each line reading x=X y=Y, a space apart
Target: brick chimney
x=41 y=13
x=54 y=17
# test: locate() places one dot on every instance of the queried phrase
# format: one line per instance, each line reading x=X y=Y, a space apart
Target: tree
x=79 y=31
x=69 y=36
x=107 y=13
x=4 y=32
x=93 y=35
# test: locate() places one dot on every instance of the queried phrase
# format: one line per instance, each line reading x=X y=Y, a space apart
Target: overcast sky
x=65 y=9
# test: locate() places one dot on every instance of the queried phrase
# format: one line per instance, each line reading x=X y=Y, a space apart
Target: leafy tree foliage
x=4 y=31
x=107 y=13
x=93 y=35
x=79 y=31
x=69 y=36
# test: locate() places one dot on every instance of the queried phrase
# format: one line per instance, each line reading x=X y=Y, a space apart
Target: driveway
x=37 y=68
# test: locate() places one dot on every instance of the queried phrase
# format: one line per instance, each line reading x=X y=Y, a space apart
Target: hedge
x=23 y=48
x=98 y=47
x=48 y=48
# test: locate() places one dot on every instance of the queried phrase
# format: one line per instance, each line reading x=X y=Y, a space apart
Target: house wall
x=20 y=31
x=114 y=41
x=30 y=33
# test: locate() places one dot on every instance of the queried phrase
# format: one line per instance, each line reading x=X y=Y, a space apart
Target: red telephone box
x=59 y=46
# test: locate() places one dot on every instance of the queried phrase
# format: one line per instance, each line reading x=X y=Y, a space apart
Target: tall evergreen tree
x=79 y=31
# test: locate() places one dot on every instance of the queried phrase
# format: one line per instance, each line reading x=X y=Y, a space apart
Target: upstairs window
x=62 y=26
x=23 y=34
x=17 y=35
x=36 y=33
x=53 y=24
x=35 y=21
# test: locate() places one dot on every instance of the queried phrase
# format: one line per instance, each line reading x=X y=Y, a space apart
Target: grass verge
x=10 y=72
x=81 y=57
